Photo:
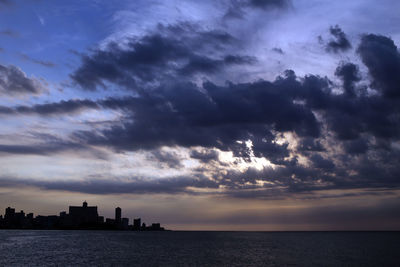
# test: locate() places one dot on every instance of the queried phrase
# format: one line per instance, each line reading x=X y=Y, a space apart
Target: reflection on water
x=199 y=248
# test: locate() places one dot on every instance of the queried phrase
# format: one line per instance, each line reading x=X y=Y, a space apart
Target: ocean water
x=97 y=248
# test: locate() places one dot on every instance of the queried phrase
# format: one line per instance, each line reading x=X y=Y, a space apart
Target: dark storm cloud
x=187 y=118
x=348 y=118
x=382 y=58
x=170 y=52
x=62 y=107
x=133 y=185
x=357 y=146
x=211 y=116
x=57 y=108
x=349 y=73
x=14 y=82
x=179 y=113
x=310 y=144
x=69 y=107
x=266 y=147
x=234 y=12
x=340 y=43
x=203 y=64
x=264 y=4
x=237 y=8
x=322 y=163
x=39 y=62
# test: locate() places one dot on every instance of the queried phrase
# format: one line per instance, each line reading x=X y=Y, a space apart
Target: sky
x=204 y=115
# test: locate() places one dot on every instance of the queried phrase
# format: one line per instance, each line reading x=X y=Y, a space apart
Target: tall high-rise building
x=10 y=213
x=118 y=215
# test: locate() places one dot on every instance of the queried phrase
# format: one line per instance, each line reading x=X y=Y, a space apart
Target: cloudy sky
x=227 y=114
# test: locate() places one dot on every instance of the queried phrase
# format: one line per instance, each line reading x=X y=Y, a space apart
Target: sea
x=181 y=248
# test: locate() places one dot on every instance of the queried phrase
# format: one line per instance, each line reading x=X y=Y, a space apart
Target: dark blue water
x=88 y=248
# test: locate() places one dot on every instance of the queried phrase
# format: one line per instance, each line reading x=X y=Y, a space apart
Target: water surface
x=40 y=248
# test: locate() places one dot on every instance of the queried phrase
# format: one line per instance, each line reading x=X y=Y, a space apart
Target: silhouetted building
x=29 y=220
x=155 y=226
x=9 y=218
x=21 y=214
x=46 y=222
x=118 y=215
x=136 y=224
x=10 y=213
x=110 y=221
x=125 y=223
x=20 y=219
x=84 y=215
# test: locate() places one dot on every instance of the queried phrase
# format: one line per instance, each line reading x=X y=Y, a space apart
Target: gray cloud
x=204 y=155
x=237 y=8
x=14 y=82
x=47 y=144
x=340 y=43
x=38 y=149
x=170 y=159
x=278 y=50
x=349 y=73
x=63 y=107
x=382 y=58
x=109 y=186
x=183 y=115
x=264 y=4
x=177 y=51
x=217 y=117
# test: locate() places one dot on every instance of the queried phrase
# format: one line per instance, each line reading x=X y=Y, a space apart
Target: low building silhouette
x=83 y=216
x=110 y=221
x=155 y=226
x=125 y=223
x=136 y=224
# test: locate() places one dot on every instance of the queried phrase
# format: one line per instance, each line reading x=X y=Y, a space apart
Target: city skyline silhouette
x=78 y=218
